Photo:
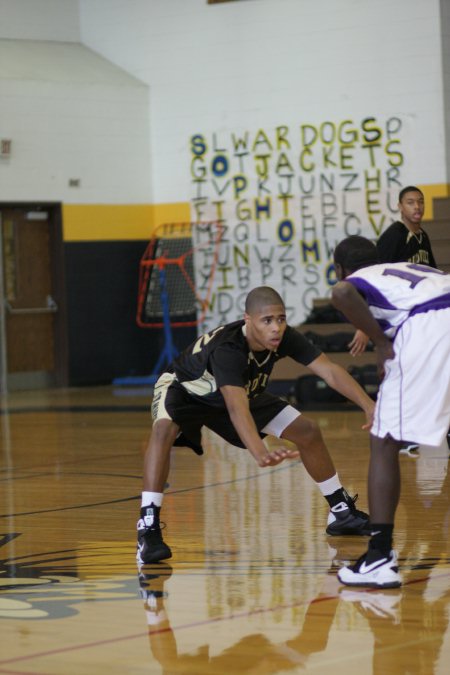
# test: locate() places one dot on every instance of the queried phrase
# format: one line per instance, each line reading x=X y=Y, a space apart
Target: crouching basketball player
x=404 y=308
x=219 y=381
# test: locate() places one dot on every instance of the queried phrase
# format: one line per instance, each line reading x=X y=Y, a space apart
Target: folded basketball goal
x=176 y=274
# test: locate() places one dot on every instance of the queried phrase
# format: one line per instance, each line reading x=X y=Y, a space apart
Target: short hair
x=408 y=188
x=261 y=297
x=355 y=252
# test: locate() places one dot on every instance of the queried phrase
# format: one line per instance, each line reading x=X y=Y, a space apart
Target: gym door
x=33 y=326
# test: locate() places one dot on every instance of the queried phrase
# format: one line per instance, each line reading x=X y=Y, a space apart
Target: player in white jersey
x=405 y=310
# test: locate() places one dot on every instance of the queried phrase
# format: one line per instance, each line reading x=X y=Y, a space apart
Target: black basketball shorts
x=171 y=401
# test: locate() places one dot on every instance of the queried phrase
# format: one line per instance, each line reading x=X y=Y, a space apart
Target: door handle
x=50 y=308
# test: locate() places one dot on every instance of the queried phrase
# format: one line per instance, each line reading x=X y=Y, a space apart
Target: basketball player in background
x=404 y=308
x=219 y=382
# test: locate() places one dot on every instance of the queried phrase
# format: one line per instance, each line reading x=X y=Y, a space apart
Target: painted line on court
x=136 y=497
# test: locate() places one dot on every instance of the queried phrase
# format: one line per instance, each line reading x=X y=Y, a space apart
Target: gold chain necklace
x=417 y=236
x=252 y=356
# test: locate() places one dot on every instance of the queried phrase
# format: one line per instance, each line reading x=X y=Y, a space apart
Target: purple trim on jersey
x=443 y=302
x=371 y=294
x=400 y=412
x=385 y=325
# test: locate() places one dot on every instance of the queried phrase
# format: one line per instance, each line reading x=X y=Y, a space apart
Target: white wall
x=263 y=63
x=260 y=71
x=272 y=73
x=71 y=115
x=445 y=39
x=40 y=20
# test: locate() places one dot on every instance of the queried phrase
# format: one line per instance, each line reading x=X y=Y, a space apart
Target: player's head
x=353 y=253
x=265 y=318
x=409 y=188
x=411 y=204
x=262 y=296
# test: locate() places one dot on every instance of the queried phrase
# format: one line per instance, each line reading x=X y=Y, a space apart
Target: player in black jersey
x=406 y=240
x=403 y=241
x=219 y=382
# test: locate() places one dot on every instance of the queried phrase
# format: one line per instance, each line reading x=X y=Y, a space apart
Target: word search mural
x=285 y=197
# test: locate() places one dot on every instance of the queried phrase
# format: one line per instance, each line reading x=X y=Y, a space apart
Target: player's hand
x=369 y=412
x=358 y=344
x=275 y=456
x=385 y=351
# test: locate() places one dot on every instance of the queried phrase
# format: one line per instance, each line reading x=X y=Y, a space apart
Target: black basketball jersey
x=223 y=357
x=399 y=244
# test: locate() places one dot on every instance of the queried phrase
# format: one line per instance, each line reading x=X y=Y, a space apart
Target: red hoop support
x=162 y=241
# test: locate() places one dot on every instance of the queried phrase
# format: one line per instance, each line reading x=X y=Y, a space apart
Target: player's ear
x=339 y=271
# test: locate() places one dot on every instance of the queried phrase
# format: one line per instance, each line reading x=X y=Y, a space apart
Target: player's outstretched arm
x=358 y=343
x=237 y=405
x=339 y=379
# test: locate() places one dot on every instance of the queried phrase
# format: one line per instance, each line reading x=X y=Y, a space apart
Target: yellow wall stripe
x=114 y=222
x=431 y=192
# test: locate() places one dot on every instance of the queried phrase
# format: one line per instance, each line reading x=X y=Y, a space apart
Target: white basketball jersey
x=395 y=291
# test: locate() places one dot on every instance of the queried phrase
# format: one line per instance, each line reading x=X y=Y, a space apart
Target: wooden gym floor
x=251 y=587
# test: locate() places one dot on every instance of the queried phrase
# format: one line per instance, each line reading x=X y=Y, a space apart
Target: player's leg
x=384 y=480
x=276 y=417
x=344 y=518
x=422 y=353
x=150 y=546
x=306 y=435
x=378 y=566
x=157 y=455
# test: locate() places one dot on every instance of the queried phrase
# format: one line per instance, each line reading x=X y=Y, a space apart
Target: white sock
x=327 y=487
x=151 y=497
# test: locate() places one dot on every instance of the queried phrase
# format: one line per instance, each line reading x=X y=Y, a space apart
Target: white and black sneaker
x=345 y=519
x=372 y=569
x=410 y=449
x=150 y=545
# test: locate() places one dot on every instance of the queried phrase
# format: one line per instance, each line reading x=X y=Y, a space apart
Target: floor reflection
x=253 y=652
x=267 y=615
x=408 y=628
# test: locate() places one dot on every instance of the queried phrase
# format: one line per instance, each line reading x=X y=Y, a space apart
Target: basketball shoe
x=372 y=569
x=345 y=519
x=410 y=449
x=150 y=545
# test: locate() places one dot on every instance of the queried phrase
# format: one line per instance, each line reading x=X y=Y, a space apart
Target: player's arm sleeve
x=432 y=260
x=387 y=247
x=298 y=347
x=228 y=366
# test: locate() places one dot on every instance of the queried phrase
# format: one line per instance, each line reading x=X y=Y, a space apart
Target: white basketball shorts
x=413 y=402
